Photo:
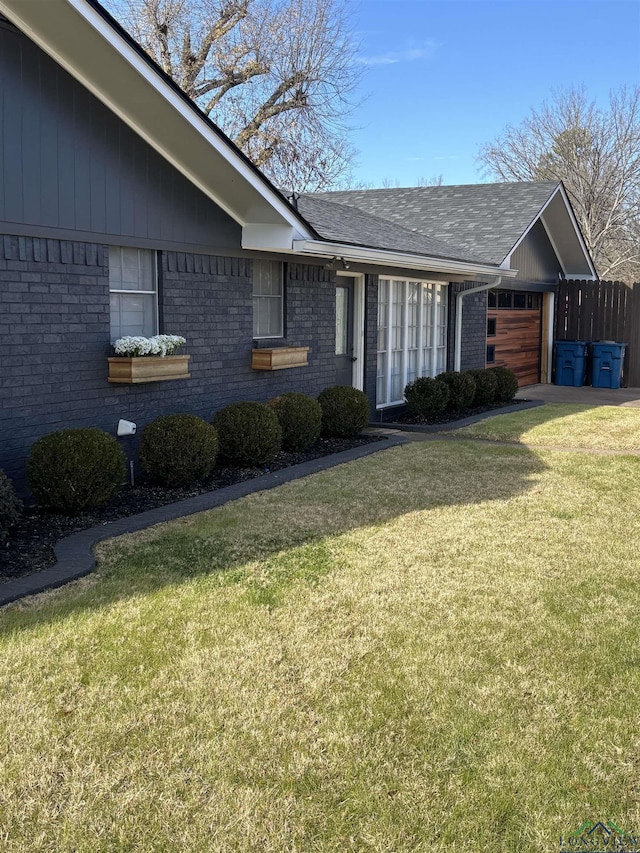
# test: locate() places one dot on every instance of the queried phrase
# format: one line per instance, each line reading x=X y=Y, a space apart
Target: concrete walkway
x=586 y=396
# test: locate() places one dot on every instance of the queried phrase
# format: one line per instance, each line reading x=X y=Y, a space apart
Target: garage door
x=514 y=333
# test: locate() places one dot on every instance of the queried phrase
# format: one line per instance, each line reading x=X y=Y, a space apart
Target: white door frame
x=358 y=332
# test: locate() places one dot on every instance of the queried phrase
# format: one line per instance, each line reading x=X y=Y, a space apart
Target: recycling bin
x=571 y=362
x=607 y=358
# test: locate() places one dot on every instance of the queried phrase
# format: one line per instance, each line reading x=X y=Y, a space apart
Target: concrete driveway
x=585 y=396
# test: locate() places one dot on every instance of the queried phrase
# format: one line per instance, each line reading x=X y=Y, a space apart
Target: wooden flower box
x=148 y=368
x=279 y=358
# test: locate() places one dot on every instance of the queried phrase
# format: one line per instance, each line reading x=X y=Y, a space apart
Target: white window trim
x=405 y=350
x=280 y=296
x=154 y=292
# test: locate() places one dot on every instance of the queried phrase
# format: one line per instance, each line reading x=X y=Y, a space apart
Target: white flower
x=136 y=345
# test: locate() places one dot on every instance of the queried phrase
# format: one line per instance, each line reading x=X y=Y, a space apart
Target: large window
x=412 y=335
x=133 y=292
x=268 y=299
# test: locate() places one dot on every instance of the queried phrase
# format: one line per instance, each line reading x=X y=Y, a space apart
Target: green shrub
x=177 y=450
x=426 y=397
x=10 y=505
x=345 y=411
x=462 y=389
x=507 y=384
x=300 y=419
x=73 y=469
x=248 y=433
x=486 y=387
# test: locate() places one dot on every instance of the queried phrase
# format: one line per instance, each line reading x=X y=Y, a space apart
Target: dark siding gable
x=535 y=258
x=69 y=163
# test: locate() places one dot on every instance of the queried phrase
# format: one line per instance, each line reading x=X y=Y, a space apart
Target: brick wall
x=474 y=327
x=54 y=340
x=371 y=340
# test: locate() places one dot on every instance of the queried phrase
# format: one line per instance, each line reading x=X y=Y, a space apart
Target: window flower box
x=145 y=368
x=279 y=358
x=139 y=359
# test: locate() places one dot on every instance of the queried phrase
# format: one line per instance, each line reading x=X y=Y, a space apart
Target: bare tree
x=596 y=153
x=276 y=75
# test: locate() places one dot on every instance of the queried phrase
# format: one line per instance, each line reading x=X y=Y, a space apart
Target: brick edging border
x=451 y=425
x=74 y=554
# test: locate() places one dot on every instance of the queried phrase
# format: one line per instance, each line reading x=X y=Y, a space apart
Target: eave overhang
x=88 y=44
x=388 y=258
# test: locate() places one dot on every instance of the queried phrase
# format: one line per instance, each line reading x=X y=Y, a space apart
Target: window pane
x=519 y=300
x=342 y=329
x=383 y=314
x=267 y=317
x=132 y=314
x=267 y=278
x=267 y=299
x=397 y=383
x=381 y=384
x=131 y=269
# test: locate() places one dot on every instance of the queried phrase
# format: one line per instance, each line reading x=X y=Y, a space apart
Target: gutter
x=457 y=357
x=384 y=257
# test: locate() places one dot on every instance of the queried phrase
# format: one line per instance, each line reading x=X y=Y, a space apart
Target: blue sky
x=444 y=76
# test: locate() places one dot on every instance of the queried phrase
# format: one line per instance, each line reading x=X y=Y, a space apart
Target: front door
x=344 y=332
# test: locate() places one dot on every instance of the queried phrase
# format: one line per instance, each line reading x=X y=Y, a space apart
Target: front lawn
x=430 y=649
x=564 y=425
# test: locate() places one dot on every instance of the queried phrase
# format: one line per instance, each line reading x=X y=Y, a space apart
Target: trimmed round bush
x=507 y=387
x=426 y=397
x=300 y=419
x=345 y=411
x=486 y=387
x=10 y=505
x=462 y=389
x=177 y=450
x=248 y=434
x=73 y=469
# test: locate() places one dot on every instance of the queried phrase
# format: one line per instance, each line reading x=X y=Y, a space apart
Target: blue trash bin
x=571 y=362
x=607 y=358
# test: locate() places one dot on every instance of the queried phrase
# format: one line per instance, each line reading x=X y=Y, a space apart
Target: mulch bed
x=447 y=417
x=30 y=545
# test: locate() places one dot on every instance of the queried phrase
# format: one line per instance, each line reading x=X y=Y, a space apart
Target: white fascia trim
x=385 y=258
x=263 y=237
x=95 y=20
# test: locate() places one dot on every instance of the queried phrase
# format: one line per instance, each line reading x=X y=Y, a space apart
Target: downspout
x=457 y=356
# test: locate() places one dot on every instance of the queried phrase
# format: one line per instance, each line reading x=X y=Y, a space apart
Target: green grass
x=433 y=648
x=564 y=425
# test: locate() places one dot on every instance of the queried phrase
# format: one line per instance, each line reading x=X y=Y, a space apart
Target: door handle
x=354 y=358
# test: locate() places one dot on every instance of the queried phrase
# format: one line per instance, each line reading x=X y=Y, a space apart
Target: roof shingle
x=473 y=220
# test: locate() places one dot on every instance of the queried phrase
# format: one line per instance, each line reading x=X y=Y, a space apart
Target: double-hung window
x=268 y=299
x=133 y=292
x=412 y=335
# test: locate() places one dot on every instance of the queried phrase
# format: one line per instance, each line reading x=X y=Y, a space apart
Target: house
x=124 y=210
x=528 y=227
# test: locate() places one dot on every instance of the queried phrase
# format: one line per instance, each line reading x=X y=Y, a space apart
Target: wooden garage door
x=514 y=333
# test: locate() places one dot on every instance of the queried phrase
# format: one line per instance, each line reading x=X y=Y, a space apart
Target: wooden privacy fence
x=602 y=311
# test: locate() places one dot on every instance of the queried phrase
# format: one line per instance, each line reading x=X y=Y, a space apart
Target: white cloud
x=393 y=57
